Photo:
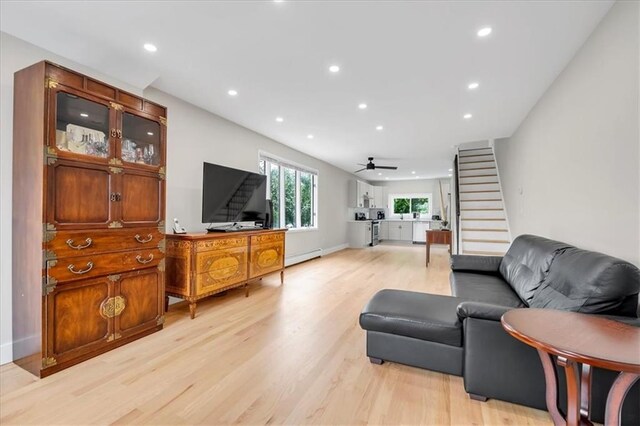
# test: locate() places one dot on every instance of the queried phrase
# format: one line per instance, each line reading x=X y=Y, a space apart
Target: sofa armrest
x=480 y=310
x=461 y=262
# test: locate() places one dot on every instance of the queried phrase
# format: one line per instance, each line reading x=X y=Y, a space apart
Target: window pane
x=289 y=197
x=306 y=196
x=419 y=205
x=401 y=205
x=275 y=194
x=261 y=168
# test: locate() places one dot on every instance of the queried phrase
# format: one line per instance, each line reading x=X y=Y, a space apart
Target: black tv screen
x=232 y=195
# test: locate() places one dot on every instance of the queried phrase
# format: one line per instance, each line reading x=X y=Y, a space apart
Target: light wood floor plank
x=291 y=354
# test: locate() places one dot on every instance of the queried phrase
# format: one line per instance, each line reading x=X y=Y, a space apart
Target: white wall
x=194 y=136
x=571 y=170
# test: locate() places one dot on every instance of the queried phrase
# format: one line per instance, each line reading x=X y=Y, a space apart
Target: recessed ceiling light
x=474 y=85
x=278 y=1
x=309 y=136
x=150 y=133
x=84 y=114
x=450 y=175
x=279 y=119
x=450 y=170
x=150 y=47
x=362 y=106
x=233 y=92
x=417 y=177
x=413 y=172
x=387 y=178
x=485 y=31
x=334 y=68
x=467 y=116
x=379 y=128
x=379 y=174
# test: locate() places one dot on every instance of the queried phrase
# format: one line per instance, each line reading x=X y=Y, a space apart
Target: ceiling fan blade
x=360 y=164
x=360 y=170
x=387 y=167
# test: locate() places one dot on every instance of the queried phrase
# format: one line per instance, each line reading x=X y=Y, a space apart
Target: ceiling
x=410 y=62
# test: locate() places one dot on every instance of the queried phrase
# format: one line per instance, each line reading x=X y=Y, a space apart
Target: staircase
x=238 y=200
x=483 y=221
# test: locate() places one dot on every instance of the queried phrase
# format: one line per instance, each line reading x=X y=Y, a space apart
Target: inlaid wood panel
x=266 y=258
x=85 y=242
x=75 y=325
x=141 y=292
x=78 y=195
x=221 y=243
x=77 y=268
x=178 y=268
x=220 y=268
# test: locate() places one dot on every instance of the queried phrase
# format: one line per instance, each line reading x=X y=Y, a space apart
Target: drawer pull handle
x=71 y=269
x=79 y=246
x=143 y=261
x=146 y=240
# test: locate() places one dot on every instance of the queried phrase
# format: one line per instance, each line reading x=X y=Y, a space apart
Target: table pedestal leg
x=551 y=395
x=618 y=391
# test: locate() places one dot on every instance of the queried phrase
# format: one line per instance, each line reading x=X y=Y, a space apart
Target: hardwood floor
x=291 y=354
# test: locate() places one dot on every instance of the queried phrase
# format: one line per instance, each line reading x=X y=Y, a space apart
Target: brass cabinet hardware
x=116 y=106
x=72 y=267
x=161 y=265
x=119 y=133
x=48 y=362
x=115 y=161
x=162 y=245
x=50 y=83
x=115 y=224
x=142 y=241
x=161 y=226
x=50 y=255
x=48 y=286
x=144 y=261
x=111 y=338
x=113 y=278
x=163 y=120
x=112 y=306
x=113 y=133
x=87 y=243
x=115 y=196
x=160 y=320
x=115 y=170
x=50 y=155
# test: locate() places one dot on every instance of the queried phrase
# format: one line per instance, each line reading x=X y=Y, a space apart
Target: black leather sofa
x=462 y=334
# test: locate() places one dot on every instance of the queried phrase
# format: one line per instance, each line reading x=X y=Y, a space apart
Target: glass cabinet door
x=82 y=126
x=140 y=140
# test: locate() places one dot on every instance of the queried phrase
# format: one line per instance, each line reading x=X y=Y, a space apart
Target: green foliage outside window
x=401 y=205
x=306 y=192
x=289 y=197
x=419 y=205
x=275 y=193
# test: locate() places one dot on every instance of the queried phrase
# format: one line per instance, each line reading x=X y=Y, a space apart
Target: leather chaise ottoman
x=417 y=329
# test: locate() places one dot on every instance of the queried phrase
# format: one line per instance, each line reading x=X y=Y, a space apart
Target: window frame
x=410 y=195
x=283 y=164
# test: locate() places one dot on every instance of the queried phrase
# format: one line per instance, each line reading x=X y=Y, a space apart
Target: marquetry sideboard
x=88 y=217
x=203 y=264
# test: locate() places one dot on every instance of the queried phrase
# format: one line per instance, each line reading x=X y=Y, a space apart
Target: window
x=292 y=189
x=410 y=203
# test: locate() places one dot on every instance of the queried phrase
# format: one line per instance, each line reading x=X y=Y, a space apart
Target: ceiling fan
x=371 y=166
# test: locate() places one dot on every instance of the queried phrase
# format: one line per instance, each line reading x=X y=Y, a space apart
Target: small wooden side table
x=437 y=236
x=579 y=338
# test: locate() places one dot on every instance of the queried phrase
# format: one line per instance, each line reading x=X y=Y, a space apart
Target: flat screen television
x=233 y=196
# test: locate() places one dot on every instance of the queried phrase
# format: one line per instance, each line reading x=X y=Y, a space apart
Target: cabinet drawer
x=81 y=267
x=221 y=243
x=266 y=258
x=220 y=268
x=267 y=238
x=81 y=243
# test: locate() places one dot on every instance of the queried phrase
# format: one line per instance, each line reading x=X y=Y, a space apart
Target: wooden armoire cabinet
x=88 y=217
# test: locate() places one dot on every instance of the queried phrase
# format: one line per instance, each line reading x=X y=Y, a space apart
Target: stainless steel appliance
x=380 y=214
x=361 y=216
x=375 y=232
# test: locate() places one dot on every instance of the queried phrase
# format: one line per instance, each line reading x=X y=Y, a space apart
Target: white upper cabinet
x=361 y=194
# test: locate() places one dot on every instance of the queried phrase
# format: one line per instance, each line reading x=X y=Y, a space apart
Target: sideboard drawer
x=267 y=238
x=266 y=258
x=82 y=243
x=81 y=267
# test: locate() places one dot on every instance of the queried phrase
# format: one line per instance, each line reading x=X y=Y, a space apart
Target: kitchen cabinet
x=359 y=233
x=384 y=230
x=400 y=230
x=420 y=231
x=358 y=193
x=379 y=197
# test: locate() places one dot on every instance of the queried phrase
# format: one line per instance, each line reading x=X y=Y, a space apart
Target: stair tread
x=479 y=192
x=476 y=168
x=478 y=240
x=486 y=253
x=488 y=209
x=473 y=149
x=484 y=230
x=475 y=176
x=485 y=199
x=476 y=162
x=483 y=218
x=476 y=155
x=479 y=183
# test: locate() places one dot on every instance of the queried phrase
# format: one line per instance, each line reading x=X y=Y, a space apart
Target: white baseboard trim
x=292 y=260
x=6 y=353
x=334 y=249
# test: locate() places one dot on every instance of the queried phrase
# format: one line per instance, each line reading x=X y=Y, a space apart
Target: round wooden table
x=579 y=338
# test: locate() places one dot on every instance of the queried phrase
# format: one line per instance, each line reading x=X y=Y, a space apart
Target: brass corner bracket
x=116 y=106
x=50 y=83
x=48 y=362
x=115 y=224
x=115 y=162
x=163 y=120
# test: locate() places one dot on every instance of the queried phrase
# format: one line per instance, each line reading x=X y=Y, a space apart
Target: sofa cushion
x=527 y=262
x=589 y=282
x=419 y=315
x=484 y=288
